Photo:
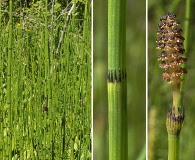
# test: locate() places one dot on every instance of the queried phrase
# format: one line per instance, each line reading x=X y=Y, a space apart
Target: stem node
x=174 y=123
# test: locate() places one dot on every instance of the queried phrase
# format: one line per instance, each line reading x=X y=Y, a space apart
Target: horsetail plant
x=186 y=42
x=117 y=92
x=172 y=57
x=9 y=106
x=45 y=96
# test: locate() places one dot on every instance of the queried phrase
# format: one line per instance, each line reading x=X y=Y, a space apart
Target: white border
x=146 y=79
x=91 y=79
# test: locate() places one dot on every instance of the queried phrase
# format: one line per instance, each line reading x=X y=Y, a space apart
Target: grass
x=50 y=92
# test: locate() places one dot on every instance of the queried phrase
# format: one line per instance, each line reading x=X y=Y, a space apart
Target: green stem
x=116 y=34
x=173 y=142
x=176 y=99
x=10 y=46
x=175 y=118
x=174 y=124
x=186 y=42
x=117 y=92
x=47 y=77
x=117 y=121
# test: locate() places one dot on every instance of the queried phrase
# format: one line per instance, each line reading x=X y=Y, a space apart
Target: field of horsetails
x=45 y=79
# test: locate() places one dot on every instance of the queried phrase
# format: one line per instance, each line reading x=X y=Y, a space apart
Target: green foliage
x=135 y=58
x=50 y=92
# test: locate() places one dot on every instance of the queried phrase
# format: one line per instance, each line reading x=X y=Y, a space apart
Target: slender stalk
x=186 y=42
x=117 y=105
x=10 y=46
x=174 y=125
x=178 y=91
x=47 y=77
x=176 y=98
x=173 y=143
x=64 y=28
x=51 y=64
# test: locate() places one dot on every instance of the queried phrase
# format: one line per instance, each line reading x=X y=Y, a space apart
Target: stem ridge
x=117 y=75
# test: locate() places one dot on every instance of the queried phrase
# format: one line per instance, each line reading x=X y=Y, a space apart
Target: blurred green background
x=136 y=72
x=159 y=92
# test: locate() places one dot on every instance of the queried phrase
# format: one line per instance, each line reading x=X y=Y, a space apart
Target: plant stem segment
x=173 y=143
x=174 y=125
x=10 y=46
x=186 y=43
x=117 y=121
x=176 y=98
x=117 y=92
x=175 y=118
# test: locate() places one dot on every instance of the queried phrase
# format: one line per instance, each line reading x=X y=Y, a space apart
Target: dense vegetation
x=49 y=112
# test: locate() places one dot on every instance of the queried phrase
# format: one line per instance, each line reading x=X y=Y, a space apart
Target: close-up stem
x=186 y=42
x=119 y=77
x=9 y=105
x=176 y=98
x=117 y=91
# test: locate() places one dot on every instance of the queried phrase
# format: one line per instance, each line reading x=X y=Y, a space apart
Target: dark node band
x=116 y=75
x=179 y=118
x=174 y=123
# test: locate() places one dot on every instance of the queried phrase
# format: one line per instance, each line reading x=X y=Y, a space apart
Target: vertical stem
x=9 y=79
x=186 y=42
x=47 y=67
x=174 y=124
x=47 y=76
x=0 y=16
x=186 y=26
x=117 y=105
x=174 y=121
x=173 y=142
x=51 y=64
x=176 y=98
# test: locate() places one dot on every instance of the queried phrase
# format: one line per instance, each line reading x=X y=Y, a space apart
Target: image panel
x=170 y=80
x=135 y=59
x=45 y=79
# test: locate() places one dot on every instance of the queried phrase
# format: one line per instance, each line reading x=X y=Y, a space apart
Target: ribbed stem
x=176 y=99
x=186 y=42
x=116 y=34
x=117 y=121
x=47 y=76
x=173 y=144
x=174 y=125
x=10 y=46
x=117 y=92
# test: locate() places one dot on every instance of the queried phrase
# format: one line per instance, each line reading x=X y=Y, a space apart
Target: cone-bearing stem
x=176 y=98
x=174 y=125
